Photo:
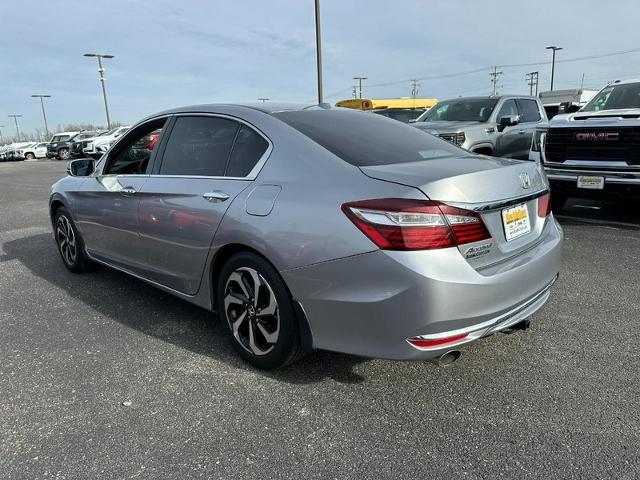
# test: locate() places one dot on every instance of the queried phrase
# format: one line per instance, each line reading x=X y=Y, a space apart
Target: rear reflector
x=544 y=205
x=436 y=342
x=404 y=224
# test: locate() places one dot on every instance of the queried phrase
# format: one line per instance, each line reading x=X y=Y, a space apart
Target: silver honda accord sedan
x=316 y=228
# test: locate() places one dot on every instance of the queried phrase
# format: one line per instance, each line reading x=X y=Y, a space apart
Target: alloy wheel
x=252 y=311
x=66 y=240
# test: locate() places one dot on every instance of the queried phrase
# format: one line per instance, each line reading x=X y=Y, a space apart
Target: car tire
x=63 y=154
x=558 y=201
x=261 y=322
x=29 y=156
x=70 y=243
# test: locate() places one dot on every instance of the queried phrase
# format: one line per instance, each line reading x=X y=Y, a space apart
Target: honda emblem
x=525 y=181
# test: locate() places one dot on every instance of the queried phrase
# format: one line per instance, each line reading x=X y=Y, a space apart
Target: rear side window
x=199 y=146
x=247 y=150
x=528 y=110
x=365 y=139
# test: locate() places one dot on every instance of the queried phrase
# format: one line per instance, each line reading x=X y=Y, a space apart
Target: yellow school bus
x=380 y=103
x=402 y=109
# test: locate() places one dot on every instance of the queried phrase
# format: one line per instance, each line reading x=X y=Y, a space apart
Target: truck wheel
x=63 y=154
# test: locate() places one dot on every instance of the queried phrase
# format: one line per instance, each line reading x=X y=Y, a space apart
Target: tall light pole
x=360 y=79
x=319 y=52
x=100 y=56
x=42 y=97
x=554 y=49
x=1 y=127
x=15 y=119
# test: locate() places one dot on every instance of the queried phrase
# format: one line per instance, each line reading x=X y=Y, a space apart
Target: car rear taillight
x=420 y=342
x=404 y=224
x=544 y=205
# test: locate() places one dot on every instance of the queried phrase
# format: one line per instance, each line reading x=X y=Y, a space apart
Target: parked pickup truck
x=502 y=126
x=595 y=152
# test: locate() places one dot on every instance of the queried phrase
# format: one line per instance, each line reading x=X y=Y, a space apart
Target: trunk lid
x=486 y=184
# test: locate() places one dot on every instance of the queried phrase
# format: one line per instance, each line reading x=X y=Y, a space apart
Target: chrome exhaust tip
x=448 y=358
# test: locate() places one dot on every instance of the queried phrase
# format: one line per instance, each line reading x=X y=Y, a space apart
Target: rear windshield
x=366 y=139
x=60 y=138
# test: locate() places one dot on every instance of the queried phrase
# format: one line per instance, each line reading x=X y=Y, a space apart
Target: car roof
x=262 y=107
x=624 y=82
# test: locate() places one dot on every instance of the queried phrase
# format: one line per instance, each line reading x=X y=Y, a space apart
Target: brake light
x=404 y=224
x=544 y=205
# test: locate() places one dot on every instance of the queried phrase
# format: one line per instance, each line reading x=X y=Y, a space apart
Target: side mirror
x=82 y=167
x=508 y=121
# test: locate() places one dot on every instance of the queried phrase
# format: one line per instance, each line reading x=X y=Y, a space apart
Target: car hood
x=446 y=127
x=629 y=116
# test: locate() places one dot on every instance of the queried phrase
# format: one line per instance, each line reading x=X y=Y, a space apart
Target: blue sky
x=170 y=53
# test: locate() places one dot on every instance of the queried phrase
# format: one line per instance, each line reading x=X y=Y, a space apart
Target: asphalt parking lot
x=103 y=376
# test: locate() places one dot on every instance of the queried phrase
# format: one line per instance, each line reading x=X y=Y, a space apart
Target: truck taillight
x=405 y=224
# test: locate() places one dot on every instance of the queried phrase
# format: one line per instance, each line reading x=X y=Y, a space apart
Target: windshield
x=460 y=110
x=615 y=97
x=363 y=139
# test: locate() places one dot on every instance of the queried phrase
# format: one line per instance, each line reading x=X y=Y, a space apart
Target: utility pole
x=42 y=97
x=319 y=53
x=554 y=49
x=1 y=127
x=495 y=74
x=582 y=82
x=360 y=79
x=100 y=56
x=15 y=119
x=415 y=88
x=354 y=91
x=532 y=78
x=263 y=99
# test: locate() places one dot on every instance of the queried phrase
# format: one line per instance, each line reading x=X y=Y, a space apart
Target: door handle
x=521 y=131
x=215 y=197
x=127 y=191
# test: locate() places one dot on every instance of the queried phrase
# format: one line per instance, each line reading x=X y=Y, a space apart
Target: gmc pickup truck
x=595 y=152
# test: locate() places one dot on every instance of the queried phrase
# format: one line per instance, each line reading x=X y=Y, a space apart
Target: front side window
x=529 y=111
x=199 y=146
x=133 y=154
x=247 y=151
x=460 y=110
x=508 y=109
x=615 y=97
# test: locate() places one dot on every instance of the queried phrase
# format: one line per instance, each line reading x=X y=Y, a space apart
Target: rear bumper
x=371 y=304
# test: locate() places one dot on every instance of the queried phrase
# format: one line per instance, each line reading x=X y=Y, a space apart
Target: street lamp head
x=101 y=55
x=37 y=95
x=553 y=47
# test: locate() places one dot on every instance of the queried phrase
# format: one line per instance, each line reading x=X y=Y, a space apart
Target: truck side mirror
x=508 y=121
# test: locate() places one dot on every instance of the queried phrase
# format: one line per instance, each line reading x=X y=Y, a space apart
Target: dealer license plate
x=516 y=221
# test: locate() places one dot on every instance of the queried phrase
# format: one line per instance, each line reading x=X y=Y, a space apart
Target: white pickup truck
x=594 y=152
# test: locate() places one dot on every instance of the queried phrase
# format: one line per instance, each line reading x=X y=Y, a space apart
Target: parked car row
x=64 y=145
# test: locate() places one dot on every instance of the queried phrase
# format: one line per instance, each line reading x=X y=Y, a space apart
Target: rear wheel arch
x=224 y=254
